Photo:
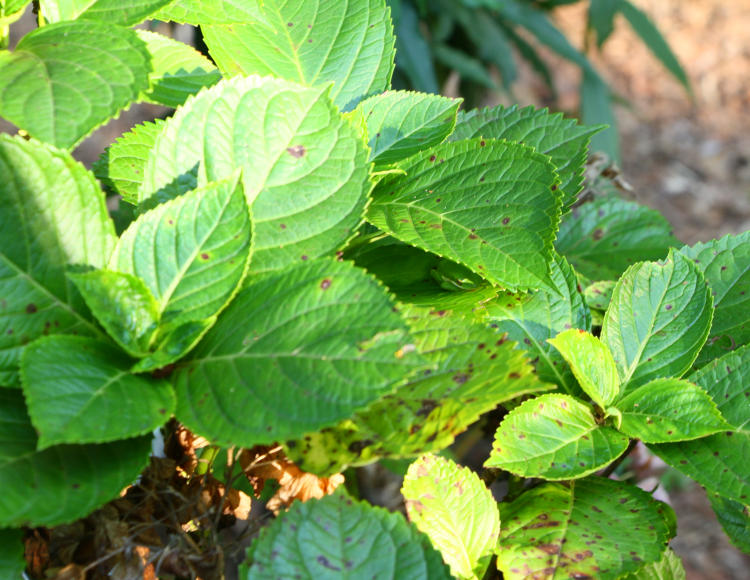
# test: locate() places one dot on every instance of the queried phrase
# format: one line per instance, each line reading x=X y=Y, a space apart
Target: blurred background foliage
x=482 y=42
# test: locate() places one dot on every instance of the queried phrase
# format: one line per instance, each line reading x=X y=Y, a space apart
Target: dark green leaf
x=734 y=518
x=468 y=67
x=413 y=54
x=489 y=205
x=80 y=390
x=52 y=216
x=12 y=562
x=596 y=109
x=602 y=18
x=336 y=537
x=603 y=238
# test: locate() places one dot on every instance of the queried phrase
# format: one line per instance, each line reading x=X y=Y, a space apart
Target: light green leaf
x=591 y=363
x=563 y=140
x=472 y=370
x=598 y=295
x=658 y=320
x=652 y=38
x=11 y=11
x=313 y=43
x=110 y=66
x=12 y=562
x=124 y=306
x=334 y=538
x=80 y=390
x=324 y=331
x=401 y=123
x=453 y=507
x=719 y=462
x=595 y=527
x=489 y=205
x=52 y=216
x=668 y=568
x=121 y=166
x=192 y=252
x=178 y=70
x=726 y=265
x=531 y=319
x=201 y=13
x=603 y=238
x=111 y=11
x=669 y=410
x=554 y=437
x=734 y=518
x=304 y=166
x=69 y=481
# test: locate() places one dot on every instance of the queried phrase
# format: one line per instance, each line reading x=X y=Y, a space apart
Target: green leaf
x=201 y=13
x=531 y=319
x=52 y=216
x=336 y=538
x=178 y=70
x=652 y=38
x=192 y=252
x=110 y=66
x=668 y=568
x=591 y=363
x=313 y=44
x=598 y=295
x=12 y=562
x=323 y=331
x=602 y=18
x=603 y=238
x=596 y=527
x=596 y=108
x=669 y=410
x=453 y=507
x=111 y=11
x=719 y=462
x=68 y=481
x=472 y=370
x=306 y=179
x=733 y=517
x=124 y=306
x=11 y=11
x=466 y=66
x=121 y=166
x=726 y=265
x=413 y=53
x=563 y=140
x=401 y=123
x=489 y=205
x=554 y=437
x=658 y=320
x=80 y=390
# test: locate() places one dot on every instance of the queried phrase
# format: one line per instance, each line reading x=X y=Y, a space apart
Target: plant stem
x=610 y=469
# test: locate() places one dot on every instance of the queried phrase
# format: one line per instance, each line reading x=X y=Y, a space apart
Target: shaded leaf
x=413 y=54
x=80 y=390
x=306 y=180
x=591 y=363
x=531 y=319
x=323 y=331
x=554 y=437
x=596 y=108
x=313 y=44
x=401 y=123
x=12 y=562
x=489 y=205
x=669 y=410
x=603 y=238
x=658 y=320
x=453 y=507
x=110 y=66
x=596 y=527
x=734 y=518
x=43 y=186
x=336 y=537
x=563 y=140
x=726 y=265
x=601 y=18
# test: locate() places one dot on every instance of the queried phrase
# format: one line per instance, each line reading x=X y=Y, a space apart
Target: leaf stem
x=610 y=469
